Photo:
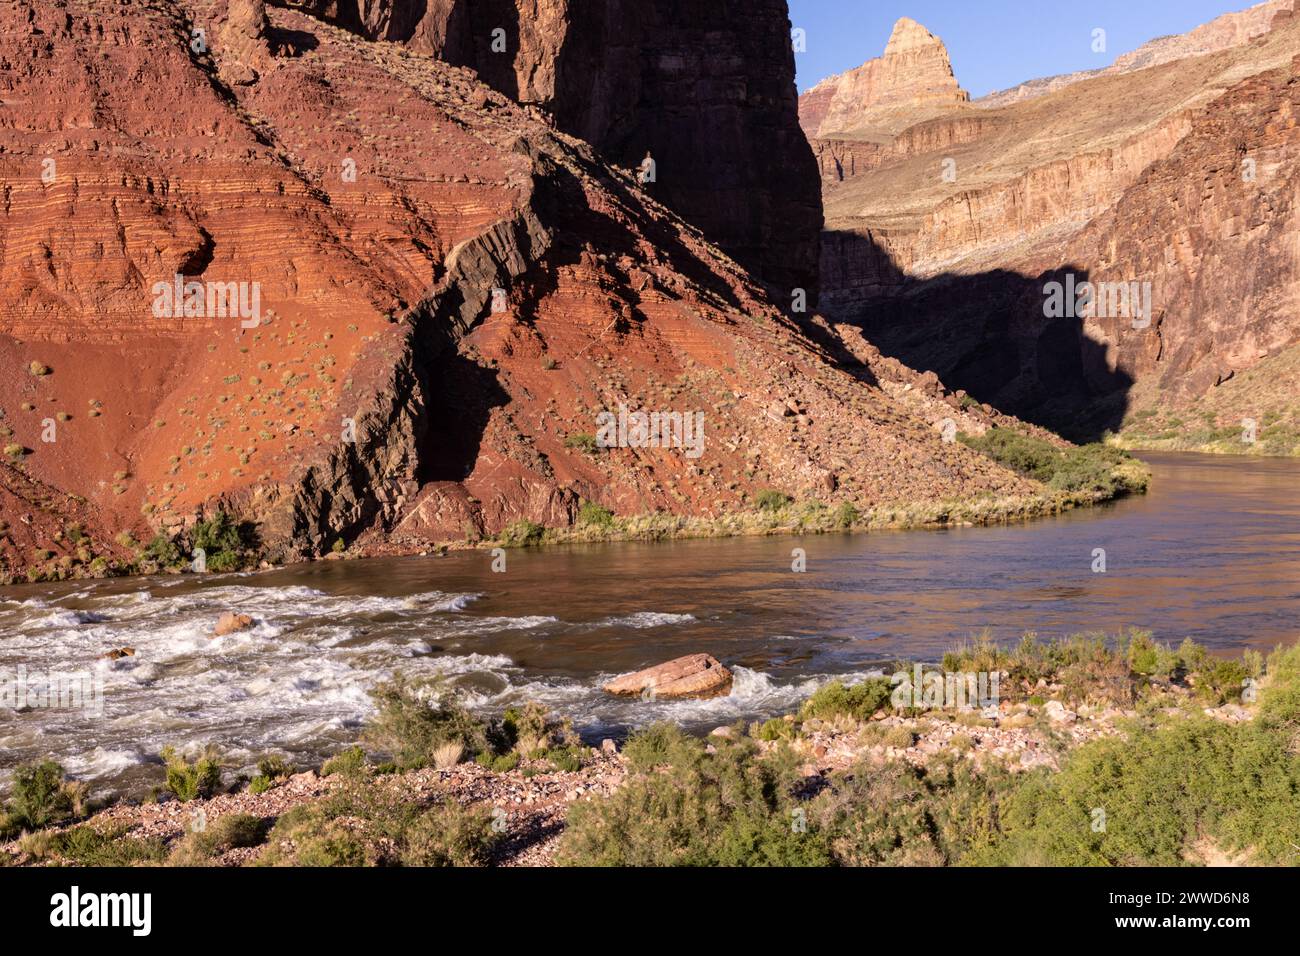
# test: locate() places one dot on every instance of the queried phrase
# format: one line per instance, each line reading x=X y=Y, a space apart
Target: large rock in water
x=230 y=622
x=696 y=675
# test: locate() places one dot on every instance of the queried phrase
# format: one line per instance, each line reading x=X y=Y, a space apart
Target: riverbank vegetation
x=1075 y=477
x=1142 y=754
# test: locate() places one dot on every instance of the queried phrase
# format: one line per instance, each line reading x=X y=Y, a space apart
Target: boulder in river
x=229 y=623
x=696 y=675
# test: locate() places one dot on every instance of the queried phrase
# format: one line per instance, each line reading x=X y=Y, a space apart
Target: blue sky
x=994 y=44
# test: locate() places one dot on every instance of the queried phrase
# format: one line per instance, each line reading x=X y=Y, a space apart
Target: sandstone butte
x=375 y=196
x=1174 y=168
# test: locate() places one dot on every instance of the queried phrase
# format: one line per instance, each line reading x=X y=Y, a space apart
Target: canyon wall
x=706 y=89
x=405 y=300
x=943 y=239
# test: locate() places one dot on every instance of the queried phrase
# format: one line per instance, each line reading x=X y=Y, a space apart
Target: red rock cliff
x=449 y=292
x=706 y=88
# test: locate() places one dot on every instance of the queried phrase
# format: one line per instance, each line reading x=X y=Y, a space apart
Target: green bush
x=350 y=761
x=660 y=744
x=732 y=807
x=412 y=720
x=190 y=781
x=42 y=796
x=498 y=763
x=901 y=815
x=522 y=534
x=531 y=729
x=565 y=759
x=778 y=728
x=223 y=542
x=846 y=515
x=858 y=701
x=449 y=835
x=1092 y=468
x=230 y=832
x=593 y=514
x=583 y=441
x=163 y=551
x=769 y=499
x=270 y=771
x=87 y=846
x=370 y=824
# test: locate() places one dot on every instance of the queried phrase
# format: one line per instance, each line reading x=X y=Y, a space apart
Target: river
x=1213 y=553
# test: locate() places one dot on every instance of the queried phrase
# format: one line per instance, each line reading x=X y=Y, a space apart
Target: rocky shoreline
x=527 y=804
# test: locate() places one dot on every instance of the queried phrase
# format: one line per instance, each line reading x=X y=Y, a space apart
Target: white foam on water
x=645 y=619
x=100 y=763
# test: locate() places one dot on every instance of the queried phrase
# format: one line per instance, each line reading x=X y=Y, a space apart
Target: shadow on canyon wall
x=985 y=333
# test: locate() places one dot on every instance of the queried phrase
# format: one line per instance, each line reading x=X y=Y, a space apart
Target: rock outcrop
x=943 y=240
x=705 y=89
x=1221 y=33
x=405 y=302
x=696 y=675
x=912 y=80
x=231 y=623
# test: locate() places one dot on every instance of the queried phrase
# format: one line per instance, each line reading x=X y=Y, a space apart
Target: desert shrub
x=522 y=534
x=87 y=846
x=1087 y=468
x=188 y=780
x=564 y=759
x=449 y=835
x=498 y=763
x=769 y=499
x=593 y=514
x=660 y=744
x=846 y=515
x=898 y=736
x=1279 y=707
x=42 y=795
x=163 y=551
x=584 y=441
x=413 y=720
x=310 y=835
x=270 y=771
x=778 y=728
x=1164 y=788
x=369 y=824
x=533 y=728
x=878 y=817
x=230 y=832
x=732 y=807
x=858 y=701
x=223 y=542
x=349 y=761
x=1219 y=681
